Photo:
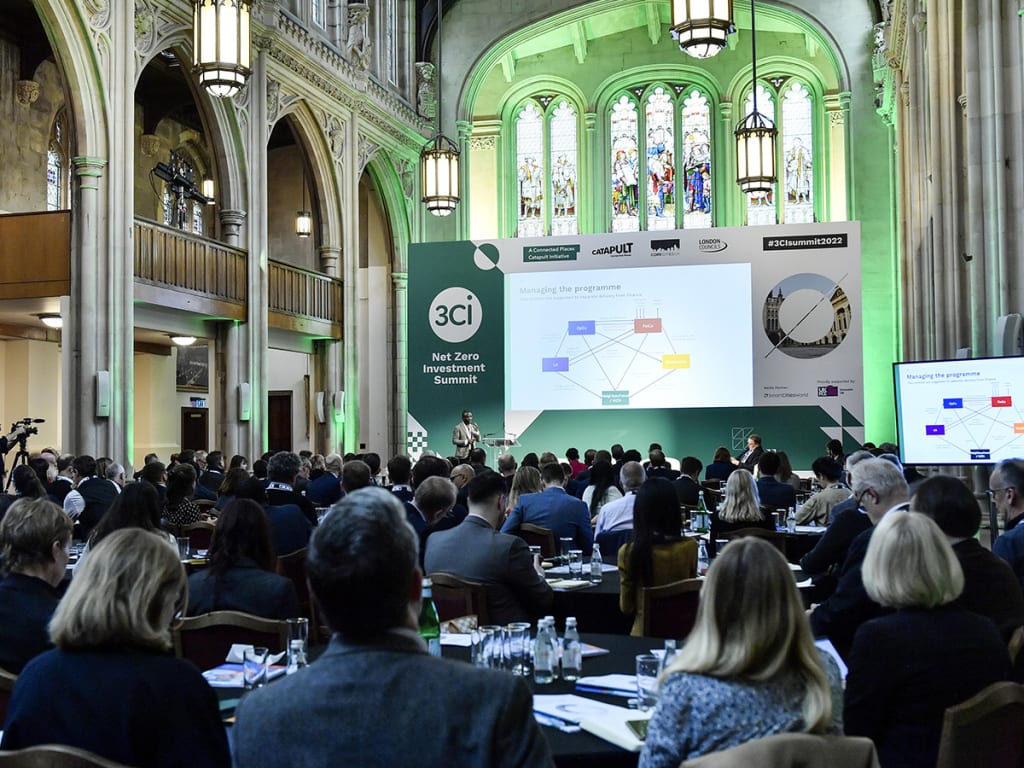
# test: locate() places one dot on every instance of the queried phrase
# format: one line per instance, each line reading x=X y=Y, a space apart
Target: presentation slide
x=960 y=411
x=640 y=337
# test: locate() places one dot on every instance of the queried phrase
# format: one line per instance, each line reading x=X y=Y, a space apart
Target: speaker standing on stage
x=465 y=435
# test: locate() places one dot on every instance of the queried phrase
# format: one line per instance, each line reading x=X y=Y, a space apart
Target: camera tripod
x=20 y=458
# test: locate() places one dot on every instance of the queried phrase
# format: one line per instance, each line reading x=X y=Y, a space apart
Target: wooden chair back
x=55 y=756
x=455 y=597
x=7 y=681
x=612 y=541
x=711 y=485
x=806 y=750
x=669 y=611
x=776 y=538
x=205 y=640
x=200 y=534
x=986 y=730
x=293 y=567
x=536 y=536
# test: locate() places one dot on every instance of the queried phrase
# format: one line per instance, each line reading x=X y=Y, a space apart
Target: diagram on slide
x=961 y=420
x=632 y=338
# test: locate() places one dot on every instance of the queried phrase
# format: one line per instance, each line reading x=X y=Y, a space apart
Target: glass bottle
x=430 y=625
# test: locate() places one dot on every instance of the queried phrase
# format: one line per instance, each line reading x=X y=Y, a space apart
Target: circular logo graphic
x=455 y=315
x=806 y=315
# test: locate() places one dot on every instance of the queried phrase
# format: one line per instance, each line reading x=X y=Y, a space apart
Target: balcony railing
x=303 y=293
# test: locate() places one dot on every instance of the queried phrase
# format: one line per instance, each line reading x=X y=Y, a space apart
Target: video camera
x=27 y=423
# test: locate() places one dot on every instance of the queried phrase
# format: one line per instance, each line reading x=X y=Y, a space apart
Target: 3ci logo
x=455 y=315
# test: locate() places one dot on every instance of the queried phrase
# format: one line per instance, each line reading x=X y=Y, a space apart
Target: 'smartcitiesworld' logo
x=455 y=315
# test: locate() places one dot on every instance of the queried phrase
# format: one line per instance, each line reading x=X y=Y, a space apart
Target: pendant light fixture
x=439 y=159
x=304 y=218
x=755 y=138
x=221 y=44
x=701 y=26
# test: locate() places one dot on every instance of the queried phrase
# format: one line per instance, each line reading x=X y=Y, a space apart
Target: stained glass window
x=318 y=12
x=564 y=181
x=660 y=148
x=57 y=165
x=797 y=170
x=625 y=166
x=761 y=205
x=168 y=205
x=197 y=218
x=530 y=170
x=696 y=130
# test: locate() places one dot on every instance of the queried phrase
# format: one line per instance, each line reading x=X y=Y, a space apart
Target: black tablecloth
x=596 y=608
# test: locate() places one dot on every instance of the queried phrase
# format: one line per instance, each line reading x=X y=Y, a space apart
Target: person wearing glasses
x=880 y=488
x=1005 y=490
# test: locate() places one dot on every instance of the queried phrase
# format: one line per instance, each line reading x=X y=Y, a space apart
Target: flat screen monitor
x=960 y=411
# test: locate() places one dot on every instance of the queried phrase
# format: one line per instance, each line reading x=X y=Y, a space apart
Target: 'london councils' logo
x=455 y=315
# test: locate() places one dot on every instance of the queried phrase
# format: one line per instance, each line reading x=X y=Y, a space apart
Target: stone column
x=231 y=227
x=399 y=417
x=725 y=175
x=350 y=271
x=589 y=209
x=329 y=354
x=330 y=256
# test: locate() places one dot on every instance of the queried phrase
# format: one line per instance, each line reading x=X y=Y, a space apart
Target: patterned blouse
x=185 y=513
x=697 y=714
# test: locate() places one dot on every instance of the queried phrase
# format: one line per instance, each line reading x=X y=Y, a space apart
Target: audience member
x=355 y=475
x=111 y=686
x=602 y=488
x=34 y=535
x=213 y=475
x=573 y=457
x=554 y=509
x=372 y=460
x=430 y=508
x=91 y=496
x=817 y=509
x=283 y=470
x=228 y=489
x=475 y=551
x=138 y=506
x=618 y=515
x=740 y=509
x=461 y=475
x=507 y=469
x=721 y=465
x=63 y=482
x=363 y=572
x=526 y=480
x=1006 y=489
x=908 y=667
x=748 y=669
x=531 y=460
x=658 y=553
x=26 y=485
x=880 y=488
x=259 y=469
x=400 y=471
x=786 y=475
x=179 y=509
x=990 y=586
x=834 y=450
x=325 y=489
x=239 y=462
x=289 y=528
x=155 y=473
x=659 y=466
x=583 y=478
x=769 y=489
x=687 y=485
x=240 y=575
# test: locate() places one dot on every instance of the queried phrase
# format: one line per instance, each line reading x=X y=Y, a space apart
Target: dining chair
x=293 y=566
x=7 y=681
x=536 y=536
x=205 y=640
x=612 y=541
x=54 y=756
x=199 y=534
x=669 y=611
x=455 y=597
x=986 y=730
x=776 y=538
x=789 y=750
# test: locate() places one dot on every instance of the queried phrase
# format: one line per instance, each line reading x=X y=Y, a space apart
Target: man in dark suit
x=282 y=471
x=687 y=485
x=475 y=551
x=63 y=482
x=769 y=489
x=289 y=528
x=659 y=466
x=399 y=473
x=91 y=497
x=213 y=475
x=363 y=572
x=507 y=470
x=749 y=458
x=553 y=508
x=1006 y=489
x=326 y=489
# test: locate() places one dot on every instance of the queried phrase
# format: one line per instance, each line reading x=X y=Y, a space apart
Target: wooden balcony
x=304 y=301
x=35 y=255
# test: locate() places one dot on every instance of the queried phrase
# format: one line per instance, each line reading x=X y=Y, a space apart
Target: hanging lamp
x=701 y=26
x=755 y=138
x=439 y=159
x=221 y=44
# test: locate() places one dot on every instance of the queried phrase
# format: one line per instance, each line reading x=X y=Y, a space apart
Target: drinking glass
x=486 y=645
x=518 y=647
x=566 y=544
x=534 y=551
x=575 y=563
x=298 y=633
x=183 y=547
x=254 y=667
x=647 y=668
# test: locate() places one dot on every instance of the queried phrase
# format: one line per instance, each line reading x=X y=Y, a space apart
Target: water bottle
x=572 y=652
x=543 y=655
x=791 y=520
x=702 y=514
x=702 y=558
x=430 y=625
x=596 y=565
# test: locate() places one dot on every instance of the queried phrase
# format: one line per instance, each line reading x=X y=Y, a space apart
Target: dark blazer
x=719 y=470
x=907 y=668
x=990 y=587
x=846 y=523
x=748 y=459
x=247 y=588
x=58 y=489
x=686 y=489
x=26 y=605
x=277 y=497
x=474 y=551
x=289 y=529
x=664 y=471
x=202 y=492
x=553 y=508
x=404 y=493
x=98 y=493
x=140 y=708
x=387 y=705
x=776 y=494
x=211 y=480
x=325 y=490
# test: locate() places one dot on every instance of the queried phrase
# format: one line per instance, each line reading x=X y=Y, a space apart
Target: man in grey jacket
x=375 y=697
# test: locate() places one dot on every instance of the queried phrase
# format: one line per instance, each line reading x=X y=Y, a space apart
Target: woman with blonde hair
x=526 y=480
x=907 y=667
x=111 y=686
x=749 y=667
x=740 y=509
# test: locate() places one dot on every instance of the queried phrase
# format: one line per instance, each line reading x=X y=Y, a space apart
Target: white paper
x=237 y=652
x=819 y=529
x=563 y=570
x=459 y=640
x=612 y=682
x=570 y=707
